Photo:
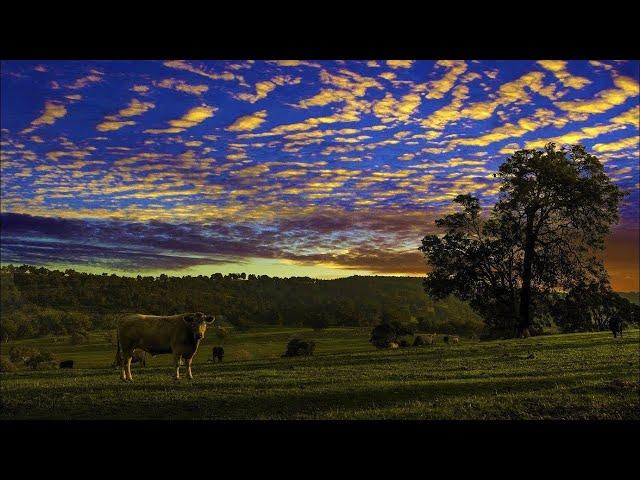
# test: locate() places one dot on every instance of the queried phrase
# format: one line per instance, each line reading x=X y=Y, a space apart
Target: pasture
x=572 y=376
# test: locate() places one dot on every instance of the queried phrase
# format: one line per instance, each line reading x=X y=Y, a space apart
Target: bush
x=386 y=333
x=221 y=332
x=299 y=348
x=21 y=354
x=42 y=360
x=382 y=335
x=7 y=366
x=320 y=322
x=79 y=337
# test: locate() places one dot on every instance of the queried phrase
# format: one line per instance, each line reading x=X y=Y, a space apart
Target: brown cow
x=177 y=334
x=139 y=356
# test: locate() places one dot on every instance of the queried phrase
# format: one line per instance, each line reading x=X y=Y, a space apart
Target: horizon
x=320 y=169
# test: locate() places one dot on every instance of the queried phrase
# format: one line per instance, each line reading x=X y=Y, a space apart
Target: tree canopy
x=544 y=234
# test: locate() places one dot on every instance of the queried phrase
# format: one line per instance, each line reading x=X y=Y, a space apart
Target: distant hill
x=38 y=301
x=633 y=297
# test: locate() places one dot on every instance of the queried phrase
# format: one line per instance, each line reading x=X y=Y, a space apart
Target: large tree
x=544 y=234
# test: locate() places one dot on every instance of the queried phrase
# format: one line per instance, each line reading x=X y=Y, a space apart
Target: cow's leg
x=128 y=359
x=189 y=360
x=125 y=365
x=178 y=359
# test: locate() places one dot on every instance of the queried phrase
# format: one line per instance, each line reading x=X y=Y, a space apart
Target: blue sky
x=320 y=168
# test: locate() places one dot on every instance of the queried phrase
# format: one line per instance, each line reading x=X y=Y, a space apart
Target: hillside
x=571 y=376
x=38 y=301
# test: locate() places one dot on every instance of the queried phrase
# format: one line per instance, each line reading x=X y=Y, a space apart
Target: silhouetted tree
x=555 y=208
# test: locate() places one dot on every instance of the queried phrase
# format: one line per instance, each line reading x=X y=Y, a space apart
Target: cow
x=615 y=324
x=217 y=353
x=139 y=356
x=66 y=364
x=155 y=334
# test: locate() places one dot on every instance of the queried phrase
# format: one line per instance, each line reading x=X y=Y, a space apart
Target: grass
x=574 y=376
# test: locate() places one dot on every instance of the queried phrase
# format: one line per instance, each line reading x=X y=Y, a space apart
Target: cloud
x=248 y=122
x=190 y=119
x=507 y=94
x=116 y=122
x=572 y=138
x=400 y=63
x=264 y=88
x=559 y=69
x=630 y=117
x=52 y=112
x=630 y=142
x=181 y=86
x=182 y=65
x=93 y=77
x=438 y=88
x=110 y=125
x=389 y=109
x=604 y=100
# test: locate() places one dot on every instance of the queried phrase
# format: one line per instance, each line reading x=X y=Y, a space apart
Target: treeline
x=38 y=301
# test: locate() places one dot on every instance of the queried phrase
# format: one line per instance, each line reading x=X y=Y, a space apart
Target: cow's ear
x=189 y=318
x=209 y=319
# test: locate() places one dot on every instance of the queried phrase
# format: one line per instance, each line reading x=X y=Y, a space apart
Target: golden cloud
x=438 y=88
x=248 y=122
x=629 y=142
x=604 y=100
x=190 y=119
x=559 y=69
x=182 y=86
x=52 y=112
x=400 y=63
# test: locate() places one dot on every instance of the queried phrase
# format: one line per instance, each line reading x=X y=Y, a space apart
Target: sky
x=287 y=167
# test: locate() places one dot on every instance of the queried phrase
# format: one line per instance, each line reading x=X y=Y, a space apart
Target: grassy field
x=576 y=376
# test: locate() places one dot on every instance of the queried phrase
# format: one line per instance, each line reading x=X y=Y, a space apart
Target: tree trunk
x=525 y=295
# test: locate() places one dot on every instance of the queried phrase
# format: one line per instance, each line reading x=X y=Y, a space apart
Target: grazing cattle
x=393 y=345
x=218 y=353
x=299 y=348
x=615 y=324
x=419 y=341
x=176 y=334
x=446 y=339
x=455 y=339
x=403 y=344
x=66 y=364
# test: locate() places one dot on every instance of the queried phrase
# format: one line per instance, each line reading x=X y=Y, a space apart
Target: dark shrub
x=21 y=354
x=79 y=337
x=66 y=364
x=41 y=360
x=419 y=341
x=298 y=348
x=385 y=333
x=320 y=322
x=403 y=344
x=7 y=366
x=382 y=335
x=221 y=333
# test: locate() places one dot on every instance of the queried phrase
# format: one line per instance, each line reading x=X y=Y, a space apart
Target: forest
x=38 y=301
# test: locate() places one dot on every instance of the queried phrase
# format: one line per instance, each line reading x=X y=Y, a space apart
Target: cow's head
x=198 y=323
